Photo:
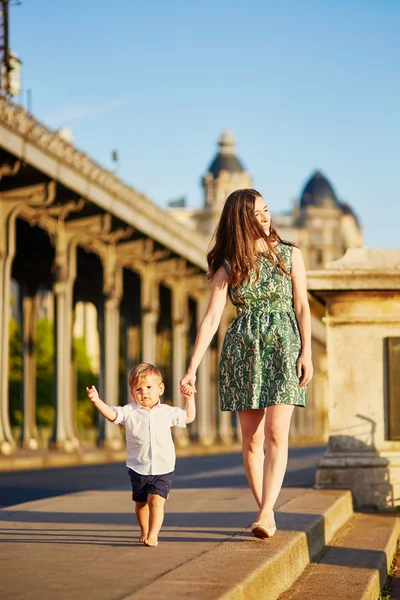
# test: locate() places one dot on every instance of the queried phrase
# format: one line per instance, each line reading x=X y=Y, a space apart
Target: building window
x=318 y=237
x=319 y=257
x=392 y=376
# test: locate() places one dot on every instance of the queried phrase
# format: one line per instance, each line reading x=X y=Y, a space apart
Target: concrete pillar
x=64 y=434
x=204 y=423
x=361 y=292
x=111 y=339
x=66 y=237
x=8 y=215
x=11 y=204
x=29 y=306
x=150 y=312
x=110 y=435
x=132 y=352
x=179 y=358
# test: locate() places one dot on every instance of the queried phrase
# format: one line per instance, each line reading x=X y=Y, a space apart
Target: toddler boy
x=150 y=449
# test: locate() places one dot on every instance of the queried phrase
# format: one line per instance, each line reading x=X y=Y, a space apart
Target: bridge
x=71 y=227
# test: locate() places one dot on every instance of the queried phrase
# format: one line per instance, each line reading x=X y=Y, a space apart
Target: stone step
x=245 y=568
x=355 y=565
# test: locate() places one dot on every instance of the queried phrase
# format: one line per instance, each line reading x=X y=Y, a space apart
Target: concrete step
x=355 y=565
x=245 y=568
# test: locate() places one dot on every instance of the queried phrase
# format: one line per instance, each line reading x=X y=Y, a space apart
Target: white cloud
x=73 y=114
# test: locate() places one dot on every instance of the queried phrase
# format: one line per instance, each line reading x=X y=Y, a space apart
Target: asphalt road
x=211 y=471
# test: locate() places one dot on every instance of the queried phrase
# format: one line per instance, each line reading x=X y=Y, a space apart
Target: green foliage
x=45 y=415
x=44 y=354
x=44 y=347
x=44 y=372
x=85 y=413
x=84 y=371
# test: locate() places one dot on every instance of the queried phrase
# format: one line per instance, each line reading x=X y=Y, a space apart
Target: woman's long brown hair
x=235 y=239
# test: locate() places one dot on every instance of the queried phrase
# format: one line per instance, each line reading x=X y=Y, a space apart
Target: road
x=211 y=471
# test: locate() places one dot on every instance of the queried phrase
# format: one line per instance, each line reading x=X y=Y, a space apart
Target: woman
x=265 y=361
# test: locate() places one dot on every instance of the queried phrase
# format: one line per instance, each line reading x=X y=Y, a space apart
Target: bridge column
x=8 y=215
x=64 y=435
x=29 y=306
x=12 y=202
x=110 y=435
x=131 y=333
x=150 y=312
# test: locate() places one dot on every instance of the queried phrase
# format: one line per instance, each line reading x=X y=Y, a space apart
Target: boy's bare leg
x=142 y=515
x=156 y=518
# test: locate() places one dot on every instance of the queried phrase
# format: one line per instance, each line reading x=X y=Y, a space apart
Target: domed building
x=322 y=225
x=224 y=175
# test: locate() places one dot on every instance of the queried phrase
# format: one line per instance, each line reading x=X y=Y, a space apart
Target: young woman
x=265 y=361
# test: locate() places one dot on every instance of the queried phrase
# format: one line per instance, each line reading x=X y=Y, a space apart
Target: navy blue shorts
x=149 y=484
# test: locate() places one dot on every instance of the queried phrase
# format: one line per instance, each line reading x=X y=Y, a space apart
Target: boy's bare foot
x=151 y=541
x=143 y=537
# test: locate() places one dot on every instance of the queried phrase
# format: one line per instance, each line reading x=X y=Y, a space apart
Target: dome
x=226 y=159
x=347 y=210
x=318 y=192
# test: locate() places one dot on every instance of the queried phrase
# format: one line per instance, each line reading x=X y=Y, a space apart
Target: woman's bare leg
x=277 y=424
x=252 y=426
x=142 y=515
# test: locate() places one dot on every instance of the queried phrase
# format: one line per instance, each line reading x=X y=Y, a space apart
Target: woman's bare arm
x=302 y=310
x=208 y=326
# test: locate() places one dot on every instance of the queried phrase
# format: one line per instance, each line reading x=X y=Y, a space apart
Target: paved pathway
x=78 y=538
x=84 y=545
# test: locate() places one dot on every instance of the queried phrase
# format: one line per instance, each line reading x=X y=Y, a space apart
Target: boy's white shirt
x=150 y=449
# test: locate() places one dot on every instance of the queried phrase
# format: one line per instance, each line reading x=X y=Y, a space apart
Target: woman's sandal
x=260 y=531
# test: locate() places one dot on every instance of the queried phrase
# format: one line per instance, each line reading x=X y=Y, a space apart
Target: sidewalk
x=84 y=545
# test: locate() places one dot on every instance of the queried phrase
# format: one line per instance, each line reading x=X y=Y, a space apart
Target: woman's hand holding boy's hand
x=189 y=390
x=187 y=384
x=93 y=394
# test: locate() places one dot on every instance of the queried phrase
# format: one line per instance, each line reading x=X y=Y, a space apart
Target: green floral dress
x=262 y=345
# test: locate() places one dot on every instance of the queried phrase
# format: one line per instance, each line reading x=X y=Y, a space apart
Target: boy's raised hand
x=93 y=394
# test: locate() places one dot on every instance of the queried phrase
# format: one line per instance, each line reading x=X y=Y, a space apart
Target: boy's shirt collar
x=137 y=406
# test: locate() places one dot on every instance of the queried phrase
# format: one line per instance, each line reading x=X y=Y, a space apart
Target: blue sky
x=303 y=84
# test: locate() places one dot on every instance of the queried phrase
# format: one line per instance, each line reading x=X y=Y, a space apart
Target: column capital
x=112 y=275
x=198 y=286
x=180 y=308
x=10 y=170
x=37 y=195
x=150 y=302
x=66 y=236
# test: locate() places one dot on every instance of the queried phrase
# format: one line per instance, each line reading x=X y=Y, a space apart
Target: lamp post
x=10 y=65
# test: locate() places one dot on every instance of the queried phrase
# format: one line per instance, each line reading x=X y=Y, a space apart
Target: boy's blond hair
x=141 y=371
